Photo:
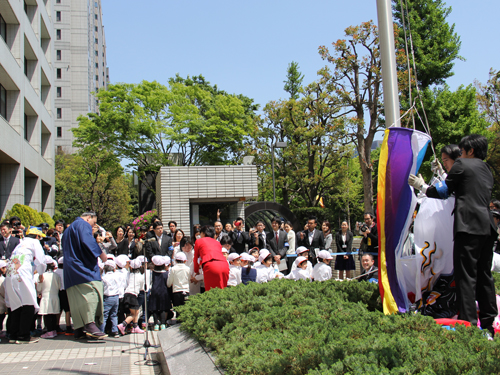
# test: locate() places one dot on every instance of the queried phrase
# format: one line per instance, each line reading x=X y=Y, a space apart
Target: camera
x=362 y=227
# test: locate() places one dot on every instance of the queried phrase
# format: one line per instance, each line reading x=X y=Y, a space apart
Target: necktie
x=277 y=238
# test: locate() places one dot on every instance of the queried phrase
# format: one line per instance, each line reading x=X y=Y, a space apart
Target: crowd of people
x=108 y=283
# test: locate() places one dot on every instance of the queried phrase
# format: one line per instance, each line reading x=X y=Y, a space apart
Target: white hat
x=60 y=260
x=299 y=260
x=141 y=258
x=263 y=254
x=224 y=250
x=301 y=249
x=100 y=263
x=110 y=262
x=110 y=256
x=121 y=260
x=181 y=256
x=3 y=263
x=325 y=254
x=158 y=260
x=233 y=256
x=49 y=260
x=167 y=260
x=247 y=257
x=135 y=263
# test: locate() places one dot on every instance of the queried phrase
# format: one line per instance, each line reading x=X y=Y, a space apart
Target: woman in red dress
x=215 y=266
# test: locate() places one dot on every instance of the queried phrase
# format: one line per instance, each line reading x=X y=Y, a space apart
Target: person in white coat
x=49 y=303
x=20 y=292
x=265 y=271
x=322 y=270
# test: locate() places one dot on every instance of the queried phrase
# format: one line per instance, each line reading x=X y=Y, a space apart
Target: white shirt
x=264 y=274
x=60 y=272
x=309 y=268
x=178 y=278
x=298 y=274
x=111 y=282
x=135 y=283
x=234 y=276
x=322 y=272
x=123 y=276
x=311 y=236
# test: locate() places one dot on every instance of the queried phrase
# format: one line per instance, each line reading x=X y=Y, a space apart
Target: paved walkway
x=65 y=355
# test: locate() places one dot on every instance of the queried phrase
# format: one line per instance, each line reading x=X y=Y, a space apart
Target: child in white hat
x=234 y=269
x=322 y=270
x=122 y=265
x=159 y=301
x=130 y=302
x=303 y=251
x=48 y=286
x=248 y=272
x=178 y=279
x=300 y=272
x=265 y=271
x=3 y=306
x=111 y=282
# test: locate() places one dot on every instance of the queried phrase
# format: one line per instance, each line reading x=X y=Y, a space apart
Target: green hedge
x=29 y=216
x=289 y=327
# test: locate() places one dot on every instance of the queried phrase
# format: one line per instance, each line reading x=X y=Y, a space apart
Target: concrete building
x=192 y=195
x=80 y=68
x=26 y=105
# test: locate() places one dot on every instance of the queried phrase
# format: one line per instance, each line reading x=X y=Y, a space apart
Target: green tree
x=92 y=181
x=293 y=81
x=436 y=45
x=356 y=81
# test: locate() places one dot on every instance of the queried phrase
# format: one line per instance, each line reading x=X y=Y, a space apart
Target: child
x=225 y=253
x=248 y=272
x=122 y=266
x=300 y=271
x=255 y=253
x=48 y=286
x=265 y=271
x=322 y=270
x=159 y=301
x=178 y=279
x=3 y=306
x=130 y=303
x=111 y=282
x=63 y=297
x=234 y=269
x=304 y=252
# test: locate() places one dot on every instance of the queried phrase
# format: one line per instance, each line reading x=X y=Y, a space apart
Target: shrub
x=29 y=216
x=47 y=219
x=144 y=219
x=289 y=327
x=496 y=277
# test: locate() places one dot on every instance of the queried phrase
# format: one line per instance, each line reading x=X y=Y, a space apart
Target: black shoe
x=92 y=331
x=114 y=334
x=79 y=334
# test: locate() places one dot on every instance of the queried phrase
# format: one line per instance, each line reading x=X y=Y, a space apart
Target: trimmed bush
x=29 y=216
x=299 y=327
x=144 y=219
x=47 y=219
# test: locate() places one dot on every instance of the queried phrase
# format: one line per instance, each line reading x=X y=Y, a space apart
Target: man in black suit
x=311 y=238
x=160 y=244
x=239 y=236
x=258 y=238
x=369 y=269
x=370 y=234
x=276 y=242
x=471 y=181
x=7 y=242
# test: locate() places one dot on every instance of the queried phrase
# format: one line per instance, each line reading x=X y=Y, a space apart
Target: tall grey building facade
x=80 y=68
x=26 y=105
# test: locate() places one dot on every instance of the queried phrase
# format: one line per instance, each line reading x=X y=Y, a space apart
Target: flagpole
x=388 y=58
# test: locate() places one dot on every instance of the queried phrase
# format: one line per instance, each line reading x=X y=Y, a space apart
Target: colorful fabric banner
x=402 y=153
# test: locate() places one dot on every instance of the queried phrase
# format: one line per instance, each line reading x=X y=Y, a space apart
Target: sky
x=245 y=46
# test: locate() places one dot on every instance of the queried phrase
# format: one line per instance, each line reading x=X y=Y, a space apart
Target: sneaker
x=31 y=340
x=114 y=335
x=121 y=328
x=156 y=327
x=162 y=327
x=137 y=330
x=79 y=334
x=59 y=330
x=92 y=331
x=49 y=335
x=69 y=331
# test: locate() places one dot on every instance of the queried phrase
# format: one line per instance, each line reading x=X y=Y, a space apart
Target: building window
x=58 y=73
x=58 y=16
x=3 y=102
x=25 y=7
x=58 y=1
x=95 y=4
x=59 y=132
x=25 y=66
x=59 y=113
x=59 y=92
x=58 y=54
x=96 y=53
x=97 y=78
x=97 y=65
x=96 y=41
x=3 y=28
x=58 y=34
x=95 y=16
x=96 y=28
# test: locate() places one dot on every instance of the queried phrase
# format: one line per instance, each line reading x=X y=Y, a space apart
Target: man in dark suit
x=160 y=244
x=258 y=238
x=7 y=242
x=369 y=269
x=471 y=181
x=370 y=234
x=311 y=238
x=276 y=242
x=239 y=236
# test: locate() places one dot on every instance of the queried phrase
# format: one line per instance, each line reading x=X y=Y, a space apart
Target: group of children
x=257 y=266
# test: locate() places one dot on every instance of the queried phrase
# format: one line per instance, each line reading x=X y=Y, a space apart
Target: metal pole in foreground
x=388 y=58
x=272 y=167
